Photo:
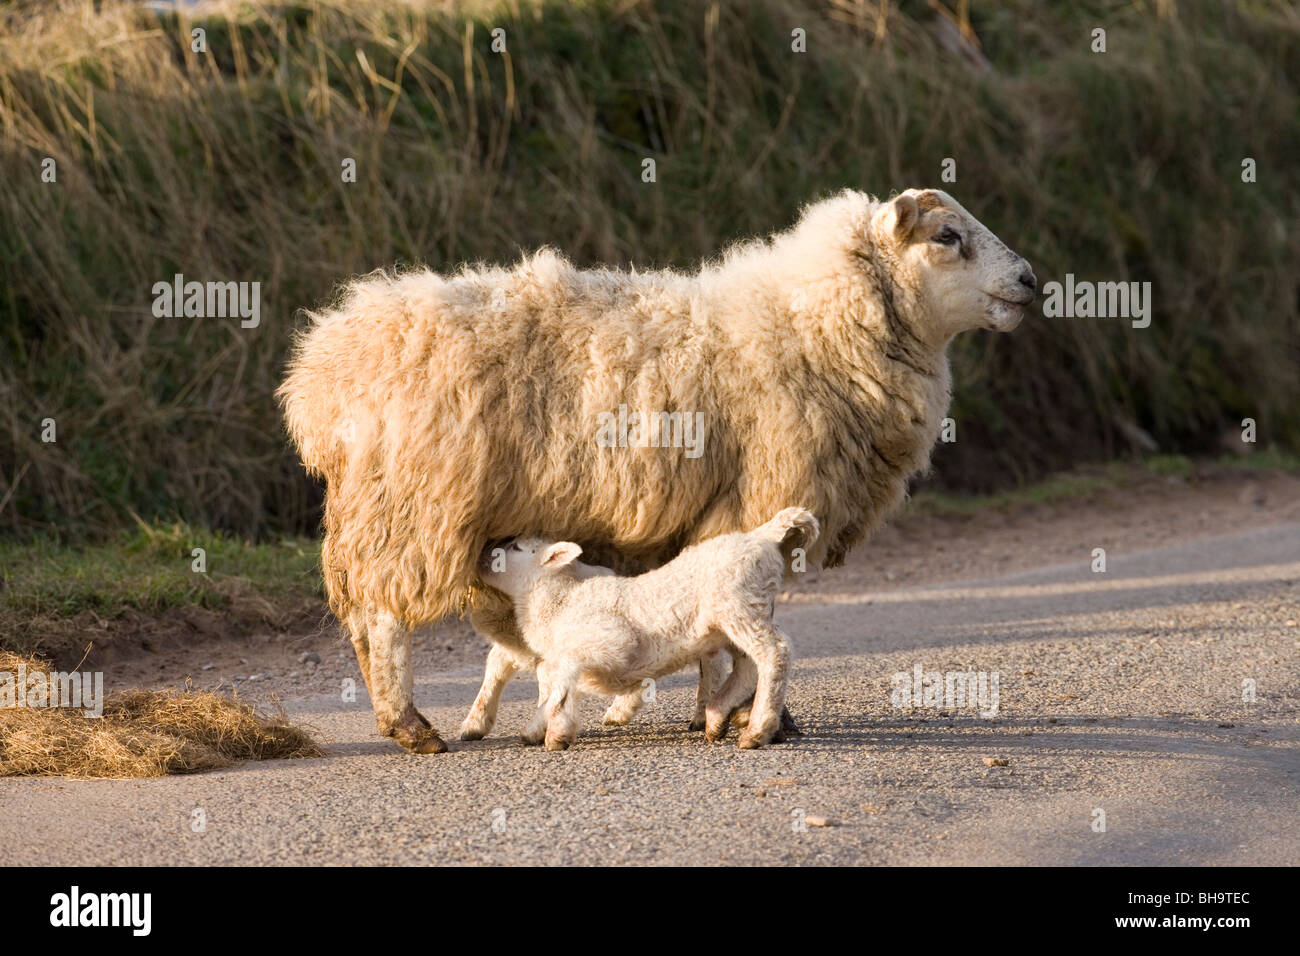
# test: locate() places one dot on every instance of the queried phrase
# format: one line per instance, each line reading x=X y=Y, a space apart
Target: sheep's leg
x=562 y=708
x=500 y=668
x=623 y=709
x=770 y=650
x=738 y=686
x=713 y=672
x=392 y=686
x=360 y=642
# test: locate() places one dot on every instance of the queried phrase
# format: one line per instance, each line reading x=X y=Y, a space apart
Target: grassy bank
x=55 y=596
x=226 y=165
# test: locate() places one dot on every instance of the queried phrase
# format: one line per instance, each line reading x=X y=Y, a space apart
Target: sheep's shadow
x=1128 y=737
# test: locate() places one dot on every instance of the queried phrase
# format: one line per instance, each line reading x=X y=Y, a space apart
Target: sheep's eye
x=946 y=236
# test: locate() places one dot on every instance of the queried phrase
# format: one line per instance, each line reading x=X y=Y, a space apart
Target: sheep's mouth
x=1005 y=314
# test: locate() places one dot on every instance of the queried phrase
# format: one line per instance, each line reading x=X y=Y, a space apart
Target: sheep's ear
x=560 y=554
x=900 y=216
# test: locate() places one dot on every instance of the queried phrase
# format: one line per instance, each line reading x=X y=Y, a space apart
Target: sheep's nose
x=1028 y=280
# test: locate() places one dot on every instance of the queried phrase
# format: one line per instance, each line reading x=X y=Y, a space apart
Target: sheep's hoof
x=750 y=741
x=530 y=739
x=472 y=733
x=416 y=734
x=430 y=744
x=615 y=720
x=697 y=724
x=558 y=743
x=715 y=732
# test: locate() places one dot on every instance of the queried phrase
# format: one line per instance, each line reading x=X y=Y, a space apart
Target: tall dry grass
x=226 y=166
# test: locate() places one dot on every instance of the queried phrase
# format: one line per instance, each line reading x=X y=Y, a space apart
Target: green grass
x=225 y=165
x=149 y=569
x=1086 y=483
x=1277 y=459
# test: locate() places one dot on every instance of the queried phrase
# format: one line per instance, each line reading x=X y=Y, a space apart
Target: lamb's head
x=516 y=567
x=964 y=276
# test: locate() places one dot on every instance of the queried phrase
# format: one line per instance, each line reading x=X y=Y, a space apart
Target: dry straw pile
x=141 y=734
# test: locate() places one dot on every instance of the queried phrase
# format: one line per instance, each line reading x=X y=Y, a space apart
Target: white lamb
x=503 y=663
x=606 y=634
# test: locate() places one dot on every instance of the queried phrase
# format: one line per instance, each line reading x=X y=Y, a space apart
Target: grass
x=225 y=165
x=1087 y=482
x=55 y=596
x=148 y=569
x=151 y=569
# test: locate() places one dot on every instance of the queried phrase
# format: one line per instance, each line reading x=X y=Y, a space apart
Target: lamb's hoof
x=697 y=724
x=740 y=719
x=715 y=732
x=530 y=740
x=788 y=725
x=472 y=733
x=558 y=743
x=416 y=734
x=750 y=741
x=615 y=720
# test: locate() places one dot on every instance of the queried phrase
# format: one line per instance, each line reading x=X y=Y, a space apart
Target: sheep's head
x=964 y=276
x=515 y=567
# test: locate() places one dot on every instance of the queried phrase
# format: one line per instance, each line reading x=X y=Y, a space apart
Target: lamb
x=503 y=663
x=447 y=412
x=607 y=634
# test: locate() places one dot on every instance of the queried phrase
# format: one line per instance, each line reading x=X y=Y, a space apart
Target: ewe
x=445 y=413
x=607 y=634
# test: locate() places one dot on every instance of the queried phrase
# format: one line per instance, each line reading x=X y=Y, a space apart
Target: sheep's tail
x=780 y=528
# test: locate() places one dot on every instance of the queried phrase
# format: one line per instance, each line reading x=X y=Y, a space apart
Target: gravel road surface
x=1121 y=735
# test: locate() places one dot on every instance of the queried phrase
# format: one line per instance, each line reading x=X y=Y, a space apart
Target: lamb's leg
x=623 y=709
x=535 y=730
x=713 y=672
x=562 y=708
x=392 y=685
x=500 y=668
x=770 y=650
x=738 y=686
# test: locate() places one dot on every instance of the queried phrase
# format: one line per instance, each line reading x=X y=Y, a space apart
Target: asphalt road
x=1120 y=701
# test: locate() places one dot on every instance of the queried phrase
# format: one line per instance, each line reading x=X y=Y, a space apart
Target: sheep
x=447 y=412
x=607 y=634
x=503 y=663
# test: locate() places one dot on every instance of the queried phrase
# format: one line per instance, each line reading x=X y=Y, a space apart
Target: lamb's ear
x=900 y=216
x=560 y=554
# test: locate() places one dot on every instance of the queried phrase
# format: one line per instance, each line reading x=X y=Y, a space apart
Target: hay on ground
x=141 y=734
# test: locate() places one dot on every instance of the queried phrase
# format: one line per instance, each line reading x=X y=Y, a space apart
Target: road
x=1121 y=736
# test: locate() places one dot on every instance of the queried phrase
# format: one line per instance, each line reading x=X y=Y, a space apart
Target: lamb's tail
x=788 y=522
